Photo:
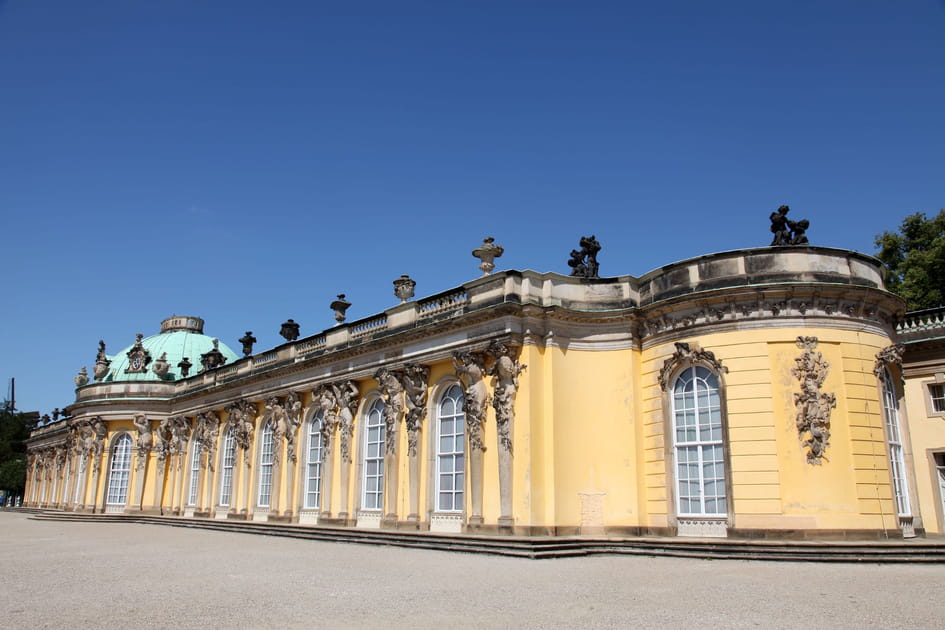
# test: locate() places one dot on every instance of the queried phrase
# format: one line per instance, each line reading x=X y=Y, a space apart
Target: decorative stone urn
x=82 y=378
x=340 y=306
x=487 y=253
x=403 y=287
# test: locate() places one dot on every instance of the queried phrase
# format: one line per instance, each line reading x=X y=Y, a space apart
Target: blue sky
x=246 y=161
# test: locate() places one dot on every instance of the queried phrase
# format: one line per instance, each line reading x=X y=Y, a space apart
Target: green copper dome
x=179 y=337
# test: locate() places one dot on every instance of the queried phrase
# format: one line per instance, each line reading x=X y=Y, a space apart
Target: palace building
x=769 y=392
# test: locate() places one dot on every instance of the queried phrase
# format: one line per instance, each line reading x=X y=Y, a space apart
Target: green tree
x=15 y=428
x=915 y=256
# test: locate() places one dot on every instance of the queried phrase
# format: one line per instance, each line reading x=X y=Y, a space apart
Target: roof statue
x=787 y=232
x=583 y=262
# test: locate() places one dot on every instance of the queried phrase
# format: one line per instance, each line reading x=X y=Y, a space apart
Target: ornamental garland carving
x=888 y=356
x=688 y=354
x=393 y=394
x=813 y=405
x=470 y=369
x=504 y=371
x=414 y=381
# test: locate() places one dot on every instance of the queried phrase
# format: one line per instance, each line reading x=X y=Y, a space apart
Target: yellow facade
x=591 y=448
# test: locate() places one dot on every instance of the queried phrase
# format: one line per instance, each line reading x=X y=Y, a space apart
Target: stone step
x=539 y=547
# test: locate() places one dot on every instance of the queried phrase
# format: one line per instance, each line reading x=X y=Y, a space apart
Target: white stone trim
x=308 y=517
x=702 y=527
x=447 y=523
x=369 y=520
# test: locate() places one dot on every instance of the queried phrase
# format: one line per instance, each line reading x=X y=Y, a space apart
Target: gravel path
x=114 y=575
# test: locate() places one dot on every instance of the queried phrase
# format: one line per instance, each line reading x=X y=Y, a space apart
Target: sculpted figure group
x=787 y=232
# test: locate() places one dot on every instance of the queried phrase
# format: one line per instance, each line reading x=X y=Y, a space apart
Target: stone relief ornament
x=813 y=406
x=340 y=306
x=583 y=262
x=403 y=288
x=289 y=330
x=470 y=369
x=487 y=253
x=247 y=340
x=393 y=394
x=787 y=232
x=206 y=432
x=99 y=432
x=347 y=396
x=688 y=353
x=888 y=356
x=138 y=357
x=161 y=366
x=241 y=416
x=414 y=381
x=504 y=371
x=274 y=416
x=212 y=359
x=184 y=367
x=145 y=438
x=82 y=378
x=101 y=362
x=293 y=418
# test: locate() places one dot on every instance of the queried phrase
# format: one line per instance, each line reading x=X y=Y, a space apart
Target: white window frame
x=315 y=454
x=372 y=500
x=227 y=466
x=264 y=495
x=194 y=473
x=936 y=398
x=119 y=471
x=702 y=452
x=900 y=486
x=450 y=462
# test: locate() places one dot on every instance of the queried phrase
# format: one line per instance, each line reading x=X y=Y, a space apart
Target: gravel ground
x=114 y=575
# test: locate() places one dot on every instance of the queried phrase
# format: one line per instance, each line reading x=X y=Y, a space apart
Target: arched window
x=894 y=443
x=697 y=444
x=372 y=482
x=194 y=472
x=226 y=470
x=313 y=469
x=265 y=466
x=450 y=451
x=119 y=471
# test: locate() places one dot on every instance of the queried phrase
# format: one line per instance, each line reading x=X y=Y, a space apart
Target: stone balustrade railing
x=924 y=323
x=751 y=269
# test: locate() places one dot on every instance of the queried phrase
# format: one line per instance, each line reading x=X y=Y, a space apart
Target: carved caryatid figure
x=392 y=392
x=505 y=370
x=206 y=433
x=293 y=418
x=327 y=404
x=145 y=438
x=274 y=416
x=99 y=431
x=241 y=416
x=347 y=396
x=470 y=368
x=414 y=381
x=813 y=405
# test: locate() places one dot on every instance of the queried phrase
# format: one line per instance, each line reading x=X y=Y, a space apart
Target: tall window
x=265 y=467
x=894 y=441
x=697 y=444
x=937 y=394
x=119 y=472
x=372 y=494
x=229 y=457
x=450 y=451
x=194 y=473
x=313 y=474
